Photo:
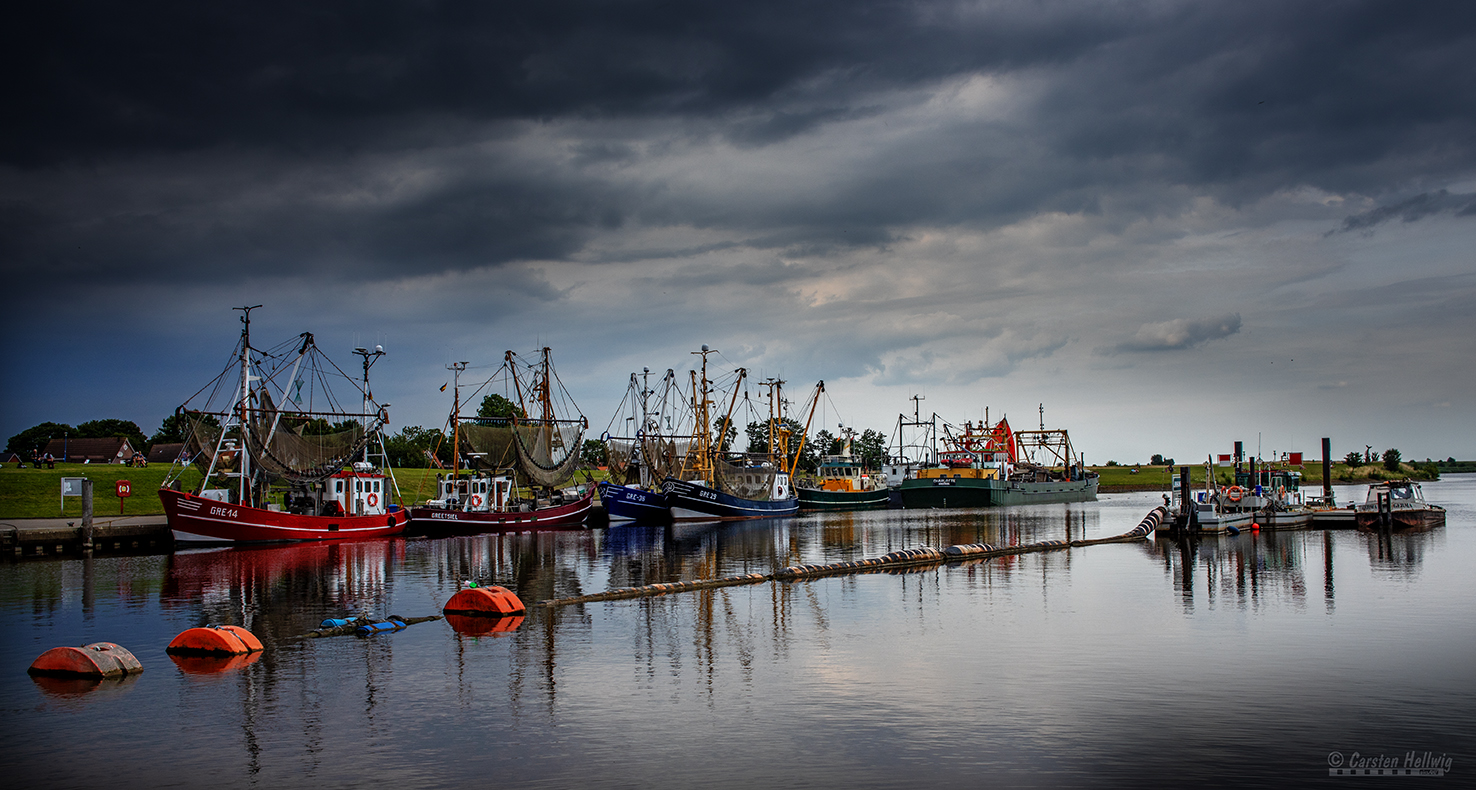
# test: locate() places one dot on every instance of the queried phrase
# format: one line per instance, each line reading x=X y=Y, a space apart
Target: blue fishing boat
x=695 y=501
x=632 y=494
x=633 y=504
x=717 y=484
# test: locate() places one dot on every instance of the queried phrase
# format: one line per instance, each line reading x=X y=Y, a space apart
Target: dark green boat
x=940 y=491
x=843 y=485
x=820 y=499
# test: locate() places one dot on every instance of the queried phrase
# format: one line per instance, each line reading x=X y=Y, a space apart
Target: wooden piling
x=86 y=513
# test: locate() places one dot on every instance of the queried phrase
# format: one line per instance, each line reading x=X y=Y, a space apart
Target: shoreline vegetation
x=34 y=493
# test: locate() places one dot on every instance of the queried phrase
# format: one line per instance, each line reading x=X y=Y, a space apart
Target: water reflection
x=1253 y=568
x=277 y=591
x=76 y=687
x=863 y=680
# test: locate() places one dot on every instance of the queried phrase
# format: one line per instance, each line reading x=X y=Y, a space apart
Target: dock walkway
x=23 y=537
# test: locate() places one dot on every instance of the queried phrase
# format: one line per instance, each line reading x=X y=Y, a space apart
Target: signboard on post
x=70 y=486
x=124 y=490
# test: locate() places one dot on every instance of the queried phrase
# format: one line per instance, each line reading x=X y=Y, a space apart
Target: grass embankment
x=1156 y=478
x=34 y=493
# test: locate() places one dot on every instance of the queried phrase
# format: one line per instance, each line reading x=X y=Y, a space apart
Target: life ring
x=476 y=500
x=372 y=499
x=1234 y=493
x=1280 y=491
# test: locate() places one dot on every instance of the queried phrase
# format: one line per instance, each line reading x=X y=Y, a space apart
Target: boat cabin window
x=376 y=486
x=1401 y=493
x=338 y=486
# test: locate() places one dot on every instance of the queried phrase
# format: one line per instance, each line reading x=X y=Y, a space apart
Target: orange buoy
x=468 y=625
x=486 y=602
x=213 y=663
x=223 y=639
x=97 y=660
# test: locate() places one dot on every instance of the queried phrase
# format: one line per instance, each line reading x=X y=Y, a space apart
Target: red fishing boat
x=522 y=467
x=276 y=467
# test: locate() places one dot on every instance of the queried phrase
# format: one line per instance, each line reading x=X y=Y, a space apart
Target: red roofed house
x=165 y=453
x=112 y=450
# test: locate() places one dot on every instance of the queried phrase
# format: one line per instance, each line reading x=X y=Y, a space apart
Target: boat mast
x=457 y=367
x=819 y=390
x=245 y=396
x=775 y=395
x=545 y=395
x=701 y=402
x=370 y=357
x=643 y=468
x=507 y=359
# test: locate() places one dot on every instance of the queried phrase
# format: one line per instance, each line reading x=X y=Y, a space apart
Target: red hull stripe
x=193 y=518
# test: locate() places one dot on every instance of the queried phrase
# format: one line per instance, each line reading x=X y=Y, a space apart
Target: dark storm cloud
x=1413 y=209
x=102 y=78
x=157 y=135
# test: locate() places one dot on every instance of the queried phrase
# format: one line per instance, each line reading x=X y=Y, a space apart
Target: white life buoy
x=372 y=499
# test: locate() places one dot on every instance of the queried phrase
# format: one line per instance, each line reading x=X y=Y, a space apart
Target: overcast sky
x=1176 y=224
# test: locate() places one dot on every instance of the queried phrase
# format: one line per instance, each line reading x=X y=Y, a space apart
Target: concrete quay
x=41 y=537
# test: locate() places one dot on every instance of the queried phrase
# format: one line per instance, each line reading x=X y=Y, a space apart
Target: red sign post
x=124 y=489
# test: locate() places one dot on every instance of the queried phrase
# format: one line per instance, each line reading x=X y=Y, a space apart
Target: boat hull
x=1284 y=519
x=693 y=502
x=1015 y=492
x=940 y=492
x=195 y=519
x=628 y=504
x=435 y=521
x=820 y=499
x=1404 y=518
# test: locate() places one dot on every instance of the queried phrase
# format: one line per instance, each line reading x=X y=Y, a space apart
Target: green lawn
x=34 y=493
x=1154 y=478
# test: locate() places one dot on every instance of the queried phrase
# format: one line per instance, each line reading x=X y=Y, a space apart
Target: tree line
x=416 y=446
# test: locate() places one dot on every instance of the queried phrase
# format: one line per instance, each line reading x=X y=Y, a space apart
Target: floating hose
x=362 y=625
x=898 y=559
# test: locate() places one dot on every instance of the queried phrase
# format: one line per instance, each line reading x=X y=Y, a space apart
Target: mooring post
x=86 y=513
x=1185 y=492
x=1327 y=470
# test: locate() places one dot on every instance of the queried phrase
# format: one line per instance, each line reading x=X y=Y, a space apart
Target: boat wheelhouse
x=842 y=483
x=1398 y=504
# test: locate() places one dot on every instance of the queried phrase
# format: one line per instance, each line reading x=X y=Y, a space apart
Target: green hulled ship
x=992 y=466
x=842 y=484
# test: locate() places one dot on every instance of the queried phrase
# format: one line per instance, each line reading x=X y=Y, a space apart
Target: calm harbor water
x=1244 y=660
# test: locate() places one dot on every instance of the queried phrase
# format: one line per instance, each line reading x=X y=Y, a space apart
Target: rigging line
x=215 y=381
x=565 y=390
x=833 y=406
